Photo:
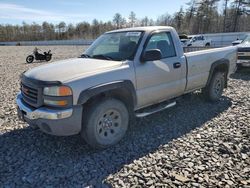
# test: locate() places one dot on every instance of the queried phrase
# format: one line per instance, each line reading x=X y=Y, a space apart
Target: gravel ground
x=194 y=144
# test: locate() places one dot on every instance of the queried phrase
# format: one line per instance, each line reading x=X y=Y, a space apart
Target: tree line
x=200 y=16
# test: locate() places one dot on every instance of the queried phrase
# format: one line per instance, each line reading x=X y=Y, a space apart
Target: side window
x=162 y=41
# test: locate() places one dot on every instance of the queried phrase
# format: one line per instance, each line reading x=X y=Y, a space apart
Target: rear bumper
x=56 y=122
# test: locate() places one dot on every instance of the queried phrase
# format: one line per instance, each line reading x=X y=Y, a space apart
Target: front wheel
x=105 y=123
x=30 y=59
x=214 y=89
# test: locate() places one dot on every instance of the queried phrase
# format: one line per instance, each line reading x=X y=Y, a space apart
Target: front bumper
x=43 y=113
x=52 y=121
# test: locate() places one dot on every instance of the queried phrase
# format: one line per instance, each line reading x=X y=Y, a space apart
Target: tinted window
x=199 y=38
x=162 y=42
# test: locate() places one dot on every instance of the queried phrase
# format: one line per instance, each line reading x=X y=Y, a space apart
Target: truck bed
x=199 y=64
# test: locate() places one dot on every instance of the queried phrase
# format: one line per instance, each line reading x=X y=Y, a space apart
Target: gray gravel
x=194 y=144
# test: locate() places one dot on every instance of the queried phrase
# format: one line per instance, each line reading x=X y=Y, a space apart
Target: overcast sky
x=73 y=11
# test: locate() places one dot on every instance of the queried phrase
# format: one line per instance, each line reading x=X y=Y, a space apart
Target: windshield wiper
x=85 y=56
x=102 y=56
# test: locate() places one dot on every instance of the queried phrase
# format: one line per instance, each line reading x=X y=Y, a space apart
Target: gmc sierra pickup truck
x=125 y=73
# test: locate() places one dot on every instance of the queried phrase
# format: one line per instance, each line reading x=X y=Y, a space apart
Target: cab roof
x=147 y=28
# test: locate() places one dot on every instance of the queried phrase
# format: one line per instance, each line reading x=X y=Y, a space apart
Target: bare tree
x=61 y=29
x=201 y=16
x=225 y=15
x=240 y=9
x=191 y=11
x=144 y=21
x=132 y=19
x=118 y=20
x=179 y=17
x=165 y=19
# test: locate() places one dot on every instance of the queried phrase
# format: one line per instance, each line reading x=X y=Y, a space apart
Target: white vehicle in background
x=199 y=40
x=236 y=42
x=184 y=42
x=244 y=53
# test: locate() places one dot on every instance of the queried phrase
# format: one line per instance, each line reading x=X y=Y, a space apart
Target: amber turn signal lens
x=64 y=91
x=56 y=103
x=62 y=103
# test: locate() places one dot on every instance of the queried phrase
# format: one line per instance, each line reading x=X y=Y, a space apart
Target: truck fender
x=121 y=85
x=219 y=65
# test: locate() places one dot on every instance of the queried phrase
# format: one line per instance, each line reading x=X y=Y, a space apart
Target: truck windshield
x=247 y=40
x=117 y=46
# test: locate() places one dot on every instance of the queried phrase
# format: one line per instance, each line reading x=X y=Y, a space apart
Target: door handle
x=177 y=65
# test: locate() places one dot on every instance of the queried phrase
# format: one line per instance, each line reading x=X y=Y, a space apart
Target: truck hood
x=71 y=68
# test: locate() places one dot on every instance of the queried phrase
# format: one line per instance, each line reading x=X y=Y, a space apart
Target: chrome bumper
x=41 y=113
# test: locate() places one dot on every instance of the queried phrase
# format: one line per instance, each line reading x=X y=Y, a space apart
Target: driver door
x=161 y=79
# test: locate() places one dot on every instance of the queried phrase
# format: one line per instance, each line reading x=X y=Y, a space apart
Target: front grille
x=30 y=94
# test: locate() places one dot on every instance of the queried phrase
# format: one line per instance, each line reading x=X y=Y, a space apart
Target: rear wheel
x=30 y=59
x=105 y=123
x=214 y=90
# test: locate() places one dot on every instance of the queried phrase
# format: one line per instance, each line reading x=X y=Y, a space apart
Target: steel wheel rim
x=109 y=125
x=217 y=86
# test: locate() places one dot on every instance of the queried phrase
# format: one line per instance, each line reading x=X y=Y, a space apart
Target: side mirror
x=151 y=55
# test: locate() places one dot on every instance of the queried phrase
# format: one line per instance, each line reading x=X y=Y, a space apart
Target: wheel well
x=221 y=68
x=121 y=94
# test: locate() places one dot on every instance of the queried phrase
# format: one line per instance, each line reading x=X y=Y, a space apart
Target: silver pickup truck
x=123 y=74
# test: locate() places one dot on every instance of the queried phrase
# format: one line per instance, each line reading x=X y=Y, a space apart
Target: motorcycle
x=39 y=56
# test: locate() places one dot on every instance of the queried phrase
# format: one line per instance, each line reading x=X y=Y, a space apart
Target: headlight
x=57 y=91
x=57 y=96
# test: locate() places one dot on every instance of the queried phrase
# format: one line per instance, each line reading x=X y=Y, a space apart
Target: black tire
x=208 y=44
x=48 y=57
x=214 y=89
x=30 y=59
x=105 y=123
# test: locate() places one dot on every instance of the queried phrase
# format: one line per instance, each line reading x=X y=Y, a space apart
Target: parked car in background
x=184 y=40
x=236 y=42
x=199 y=41
x=244 y=53
x=124 y=73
